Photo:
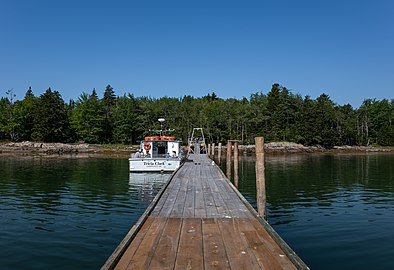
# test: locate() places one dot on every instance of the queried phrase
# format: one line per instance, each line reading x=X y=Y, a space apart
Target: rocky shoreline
x=61 y=149
x=288 y=147
x=87 y=150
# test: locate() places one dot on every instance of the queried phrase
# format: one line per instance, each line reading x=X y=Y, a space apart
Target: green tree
x=24 y=113
x=257 y=115
x=88 y=118
x=278 y=115
x=188 y=116
x=379 y=114
x=10 y=124
x=325 y=120
x=307 y=124
x=109 y=100
x=125 y=120
x=364 y=123
x=282 y=108
x=50 y=121
x=4 y=107
x=345 y=118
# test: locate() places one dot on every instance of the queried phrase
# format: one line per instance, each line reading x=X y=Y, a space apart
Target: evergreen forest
x=278 y=115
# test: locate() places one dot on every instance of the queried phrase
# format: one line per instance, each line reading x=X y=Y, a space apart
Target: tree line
x=278 y=115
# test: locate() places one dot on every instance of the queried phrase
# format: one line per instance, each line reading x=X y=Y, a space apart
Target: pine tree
x=88 y=118
x=109 y=99
x=25 y=110
x=50 y=118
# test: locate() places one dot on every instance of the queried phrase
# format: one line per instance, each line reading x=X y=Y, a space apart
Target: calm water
x=336 y=212
x=68 y=214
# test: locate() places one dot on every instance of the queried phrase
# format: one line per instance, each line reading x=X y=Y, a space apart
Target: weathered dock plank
x=215 y=255
x=200 y=221
x=190 y=245
x=166 y=251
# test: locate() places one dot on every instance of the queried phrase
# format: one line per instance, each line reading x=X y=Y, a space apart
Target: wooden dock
x=200 y=221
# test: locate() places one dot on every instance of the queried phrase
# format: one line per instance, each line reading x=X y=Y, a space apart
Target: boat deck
x=201 y=222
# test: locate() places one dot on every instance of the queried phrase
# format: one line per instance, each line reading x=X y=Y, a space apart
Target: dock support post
x=213 y=150
x=228 y=160
x=219 y=152
x=236 y=178
x=209 y=149
x=260 y=177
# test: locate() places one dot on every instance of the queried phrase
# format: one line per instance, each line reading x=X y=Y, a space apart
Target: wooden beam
x=236 y=178
x=219 y=153
x=260 y=177
x=228 y=159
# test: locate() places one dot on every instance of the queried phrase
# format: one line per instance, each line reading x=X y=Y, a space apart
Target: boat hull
x=153 y=164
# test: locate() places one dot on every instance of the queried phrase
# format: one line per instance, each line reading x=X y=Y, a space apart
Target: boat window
x=159 y=149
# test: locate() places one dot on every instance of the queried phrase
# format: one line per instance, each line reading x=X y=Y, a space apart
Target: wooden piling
x=228 y=159
x=260 y=177
x=209 y=150
x=213 y=150
x=236 y=178
x=219 y=152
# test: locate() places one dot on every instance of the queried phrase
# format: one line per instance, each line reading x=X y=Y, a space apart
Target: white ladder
x=196 y=143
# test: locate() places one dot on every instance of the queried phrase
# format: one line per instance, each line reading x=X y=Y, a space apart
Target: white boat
x=159 y=153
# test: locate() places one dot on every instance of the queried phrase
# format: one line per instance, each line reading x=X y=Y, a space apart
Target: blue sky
x=172 y=48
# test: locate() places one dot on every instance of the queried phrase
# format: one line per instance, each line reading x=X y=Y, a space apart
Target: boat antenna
x=161 y=120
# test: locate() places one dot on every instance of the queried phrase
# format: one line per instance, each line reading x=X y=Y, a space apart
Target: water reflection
x=67 y=214
x=136 y=179
x=147 y=184
x=336 y=211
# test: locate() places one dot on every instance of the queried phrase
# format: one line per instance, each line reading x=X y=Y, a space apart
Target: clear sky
x=344 y=48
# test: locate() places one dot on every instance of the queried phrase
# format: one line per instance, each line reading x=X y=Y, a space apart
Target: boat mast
x=161 y=120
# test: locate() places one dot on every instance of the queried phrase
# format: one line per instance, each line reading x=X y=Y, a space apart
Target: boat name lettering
x=154 y=163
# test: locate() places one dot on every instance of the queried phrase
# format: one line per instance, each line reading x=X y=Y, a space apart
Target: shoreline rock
x=45 y=148
x=60 y=149
x=28 y=148
x=289 y=147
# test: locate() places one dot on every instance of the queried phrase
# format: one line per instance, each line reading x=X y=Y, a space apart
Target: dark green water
x=336 y=212
x=67 y=214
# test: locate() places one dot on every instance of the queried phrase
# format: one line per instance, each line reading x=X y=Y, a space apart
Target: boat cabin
x=160 y=147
